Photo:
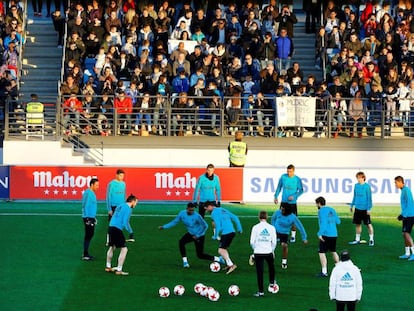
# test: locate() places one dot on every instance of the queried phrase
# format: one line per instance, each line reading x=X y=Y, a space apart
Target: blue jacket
x=194 y=223
x=407 y=203
x=328 y=219
x=89 y=204
x=224 y=220
x=292 y=186
x=120 y=219
x=284 y=223
x=115 y=193
x=207 y=190
x=180 y=84
x=362 y=199
x=284 y=47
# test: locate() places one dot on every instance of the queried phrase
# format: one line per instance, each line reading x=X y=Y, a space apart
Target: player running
x=196 y=230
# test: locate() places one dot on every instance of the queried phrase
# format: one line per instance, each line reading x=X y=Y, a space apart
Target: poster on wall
x=149 y=184
x=296 y=111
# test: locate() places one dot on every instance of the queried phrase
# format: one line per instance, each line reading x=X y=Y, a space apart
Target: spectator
x=267 y=50
x=284 y=50
x=357 y=115
x=339 y=108
x=179 y=114
x=312 y=9
x=251 y=67
x=181 y=83
x=123 y=108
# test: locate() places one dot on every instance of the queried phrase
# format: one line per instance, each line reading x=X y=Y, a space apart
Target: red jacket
x=72 y=104
x=123 y=106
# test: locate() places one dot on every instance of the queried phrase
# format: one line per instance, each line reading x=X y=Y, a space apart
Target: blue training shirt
x=194 y=223
x=115 y=193
x=362 y=199
x=407 y=203
x=207 y=190
x=328 y=219
x=120 y=218
x=224 y=220
x=292 y=186
x=89 y=204
x=283 y=223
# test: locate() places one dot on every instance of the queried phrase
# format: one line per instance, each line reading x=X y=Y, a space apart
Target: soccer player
x=283 y=220
x=292 y=189
x=224 y=225
x=196 y=230
x=362 y=201
x=263 y=242
x=115 y=194
x=345 y=283
x=89 y=208
x=407 y=217
x=207 y=189
x=119 y=222
x=327 y=234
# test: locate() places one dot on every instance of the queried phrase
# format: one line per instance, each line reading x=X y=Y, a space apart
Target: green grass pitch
x=42 y=267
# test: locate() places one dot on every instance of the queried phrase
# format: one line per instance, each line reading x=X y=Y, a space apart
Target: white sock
x=229 y=262
x=407 y=250
x=185 y=259
x=412 y=250
x=216 y=258
x=293 y=234
x=284 y=261
x=371 y=237
x=325 y=270
x=108 y=264
x=357 y=237
x=119 y=268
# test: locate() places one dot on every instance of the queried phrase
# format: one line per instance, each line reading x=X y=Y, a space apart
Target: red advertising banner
x=154 y=184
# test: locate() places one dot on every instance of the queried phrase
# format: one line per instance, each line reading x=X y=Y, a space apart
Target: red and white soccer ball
x=234 y=290
x=214 y=295
x=198 y=288
x=164 y=292
x=179 y=290
x=215 y=267
x=204 y=291
x=273 y=288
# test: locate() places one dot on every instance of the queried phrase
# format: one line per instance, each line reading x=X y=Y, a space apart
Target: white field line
x=160 y=215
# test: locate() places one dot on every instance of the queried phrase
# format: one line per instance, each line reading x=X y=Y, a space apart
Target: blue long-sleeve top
x=207 y=189
x=224 y=220
x=121 y=216
x=115 y=193
x=328 y=219
x=89 y=204
x=362 y=197
x=292 y=186
x=407 y=203
x=194 y=223
x=283 y=223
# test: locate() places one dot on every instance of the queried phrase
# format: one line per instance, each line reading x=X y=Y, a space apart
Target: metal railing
x=196 y=116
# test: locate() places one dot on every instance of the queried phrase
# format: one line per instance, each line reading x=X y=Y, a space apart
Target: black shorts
x=226 y=239
x=113 y=211
x=116 y=237
x=407 y=224
x=290 y=208
x=361 y=216
x=282 y=237
x=328 y=246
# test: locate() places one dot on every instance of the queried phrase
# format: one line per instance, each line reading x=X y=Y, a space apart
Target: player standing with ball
x=263 y=242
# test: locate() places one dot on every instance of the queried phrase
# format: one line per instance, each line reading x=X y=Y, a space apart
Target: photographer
x=286 y=20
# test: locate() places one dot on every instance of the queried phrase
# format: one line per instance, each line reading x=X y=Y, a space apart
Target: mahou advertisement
x=150 y=184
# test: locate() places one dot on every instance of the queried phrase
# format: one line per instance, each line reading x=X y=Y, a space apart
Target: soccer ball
x=198 y=288
x=204 y=291
x=214 y=296
x=179 y=290
x=215 y=267
x=210 y=291
x=234 y=290
x=273 y=288
x=164 y=292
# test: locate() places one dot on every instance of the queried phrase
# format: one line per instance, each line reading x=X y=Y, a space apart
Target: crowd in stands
x=11 y=41
x=130 y=57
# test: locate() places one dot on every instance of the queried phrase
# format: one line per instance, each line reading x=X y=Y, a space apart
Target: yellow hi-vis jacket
x=237 y=153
